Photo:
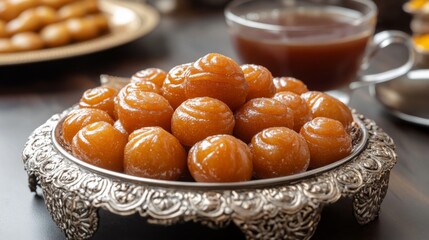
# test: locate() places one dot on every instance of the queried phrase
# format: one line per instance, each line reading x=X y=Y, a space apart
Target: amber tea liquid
x=325 y=59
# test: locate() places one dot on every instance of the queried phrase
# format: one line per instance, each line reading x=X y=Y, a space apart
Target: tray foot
x=367 y=202
x=76 y=218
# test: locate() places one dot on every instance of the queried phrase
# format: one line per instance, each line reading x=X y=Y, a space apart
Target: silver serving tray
x=286 y=207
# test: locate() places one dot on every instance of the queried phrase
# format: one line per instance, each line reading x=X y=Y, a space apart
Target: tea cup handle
x=380 y=41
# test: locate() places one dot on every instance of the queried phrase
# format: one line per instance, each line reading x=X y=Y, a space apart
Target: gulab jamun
x=173 y=88
x=327 y=140
x=258 y=114
x=220 y=158
x=101 y=145
x=289 y=84
x=301 y=112
x=144 y=109
x=152 y=152
x=260 y=81
x=79 y=118
x=278 y=152
x=197 y=118
x=324 y=105
x=101 y=98
x=155 y=75
x=217 y=76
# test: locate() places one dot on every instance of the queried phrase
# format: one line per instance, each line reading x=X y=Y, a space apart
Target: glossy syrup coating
x=55 y=35
x=289 y=84
x=155 y=75
x=260 y=81
x=217 y=76
x=100 y=20
x=173 y=88
x=79 y=118
x=27 y=41
x=101 y=98
x=3 y=33
x=323 y=105
x=152 y=152
x=6 y=46
x=77 y=9
x=301 y=112
x=82 y=29
x=120 y=128
x=279 y=152
x=55 y=3
x=100 y=144
x=197 y=118
x=46 y=14
x=8 y=11
x=220 y=158
x=144 y=109
x=27 y=21
x=142 y=86
x=258 y=114
x=327 y=140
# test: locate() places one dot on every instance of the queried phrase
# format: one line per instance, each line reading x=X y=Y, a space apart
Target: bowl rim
x=252 y=184
x=230 y=16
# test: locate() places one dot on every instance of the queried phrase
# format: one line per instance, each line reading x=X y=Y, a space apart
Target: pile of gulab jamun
x=212 y=120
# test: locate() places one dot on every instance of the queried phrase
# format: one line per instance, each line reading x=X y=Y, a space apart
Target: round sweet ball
x=79 y=118
x=144 y=109
x=144 y=86
x=258 y=114
x=301 y=112
x=217 y=76
x=152 y=152
x=173 y=88
x=101 y=145
x=220 y=158
x=197 y=118
x=324 y=105
x=327 y=140
x=155 y=75
x=278 y=152
x=289 y=84
x=100 y=98
x=260 y=81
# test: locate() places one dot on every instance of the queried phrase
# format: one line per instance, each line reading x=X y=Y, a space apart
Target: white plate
x=128 y=21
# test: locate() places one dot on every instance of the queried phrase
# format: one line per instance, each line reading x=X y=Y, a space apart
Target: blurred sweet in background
x=27 y=25
x=419 y=11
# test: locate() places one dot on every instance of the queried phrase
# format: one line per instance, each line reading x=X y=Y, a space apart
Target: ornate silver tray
x=280 y=208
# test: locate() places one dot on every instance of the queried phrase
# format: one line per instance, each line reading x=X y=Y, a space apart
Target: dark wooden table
x=30 y=94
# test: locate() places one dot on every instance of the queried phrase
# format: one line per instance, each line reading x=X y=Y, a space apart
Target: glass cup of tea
x=325 y=43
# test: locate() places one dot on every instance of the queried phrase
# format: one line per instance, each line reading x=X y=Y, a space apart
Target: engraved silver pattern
x=73 y=194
